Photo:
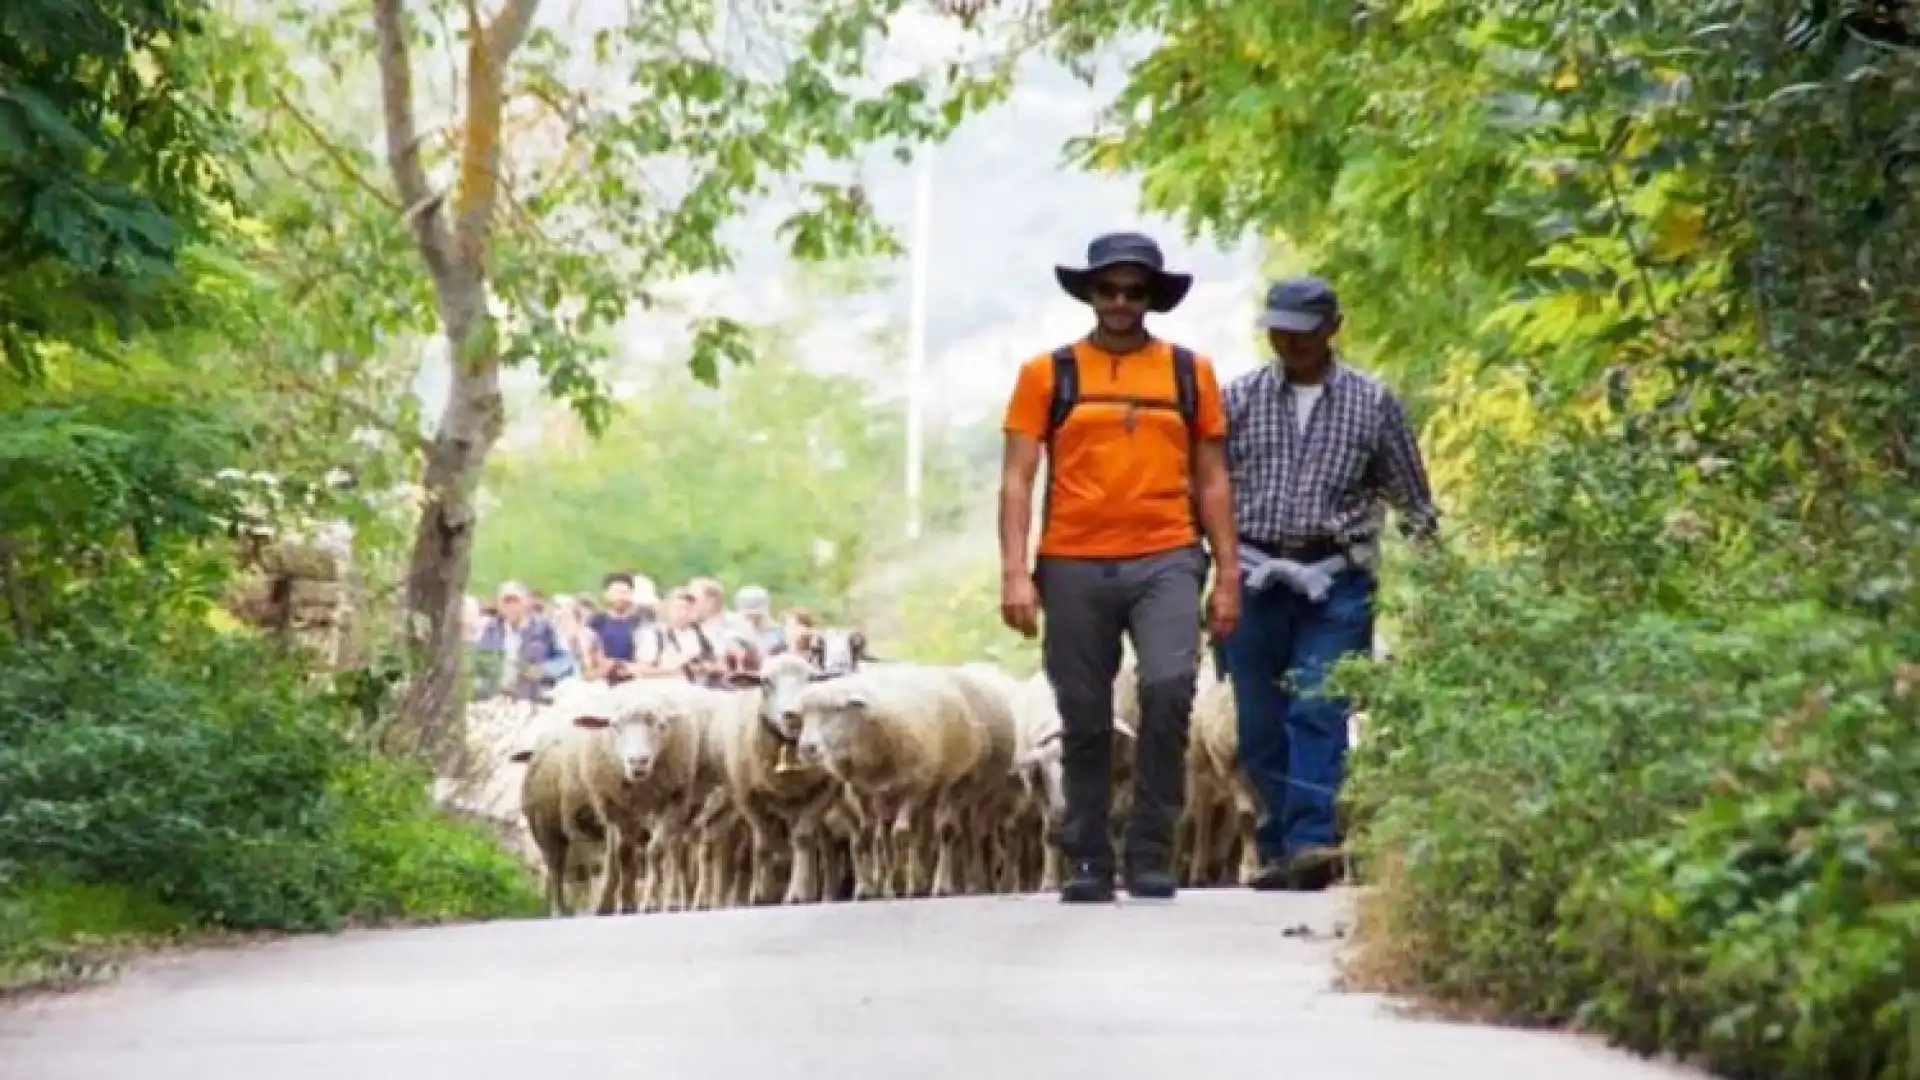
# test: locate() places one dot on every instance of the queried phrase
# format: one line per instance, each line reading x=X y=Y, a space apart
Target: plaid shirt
x=1328 y=486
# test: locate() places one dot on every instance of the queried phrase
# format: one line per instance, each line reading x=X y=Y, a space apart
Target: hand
x=532 y=672
x=1020 y=604
x=1223 y=611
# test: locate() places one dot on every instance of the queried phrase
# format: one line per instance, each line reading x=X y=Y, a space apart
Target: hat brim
x=1166 y=288
x=1292 y=322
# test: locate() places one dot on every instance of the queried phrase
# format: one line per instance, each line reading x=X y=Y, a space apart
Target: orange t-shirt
x=1120 y=483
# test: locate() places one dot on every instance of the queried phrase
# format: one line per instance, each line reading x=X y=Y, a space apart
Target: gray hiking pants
x=1089 y=604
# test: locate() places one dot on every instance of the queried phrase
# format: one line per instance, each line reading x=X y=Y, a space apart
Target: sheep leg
x=803 y=884
x=680 y=870
x=836 y=846
x=1200 y=840
x=653 y=896
x=672 y=827
x=905 y=854
x=1247 y=817
x=869 y=857
x=1023 y=859
x=706 y=826
x=610 y=875
x=947 y=819
x=553 y=851
x=761 y=863
x=878 y=838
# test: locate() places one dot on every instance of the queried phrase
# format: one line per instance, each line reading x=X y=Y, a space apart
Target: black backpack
x=1066 y=395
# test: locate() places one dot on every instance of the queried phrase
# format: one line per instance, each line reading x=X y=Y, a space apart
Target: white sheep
x=783 y=804
x=1221 y=805
x=905 y=740
x=560 y=814
x=994 y=799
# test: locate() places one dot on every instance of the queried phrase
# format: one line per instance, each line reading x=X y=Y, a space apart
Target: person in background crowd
x=521 y=654
x=569 y=620
x=756 y=611
x=797 y=631
x=676 y=645
x=731 y=636
x=473 y=619
x=1316 y=451
x=630 y=610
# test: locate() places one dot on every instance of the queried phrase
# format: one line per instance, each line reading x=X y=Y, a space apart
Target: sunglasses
x=1107 y=290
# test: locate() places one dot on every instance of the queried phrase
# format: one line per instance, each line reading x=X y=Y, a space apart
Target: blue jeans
x=1293 y=741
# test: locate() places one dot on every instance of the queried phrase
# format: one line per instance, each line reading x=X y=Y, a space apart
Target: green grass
x=55 y=934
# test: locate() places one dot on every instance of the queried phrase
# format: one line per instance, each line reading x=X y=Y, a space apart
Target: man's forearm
x=1216 y=520
x=1016 y=516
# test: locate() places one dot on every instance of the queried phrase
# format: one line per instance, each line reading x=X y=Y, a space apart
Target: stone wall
x=298 y=591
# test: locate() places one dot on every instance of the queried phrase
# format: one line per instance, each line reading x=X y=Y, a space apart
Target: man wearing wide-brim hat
x=1132 y=430
x=1319 y=449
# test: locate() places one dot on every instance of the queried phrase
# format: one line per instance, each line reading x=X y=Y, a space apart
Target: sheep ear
x=591 y=721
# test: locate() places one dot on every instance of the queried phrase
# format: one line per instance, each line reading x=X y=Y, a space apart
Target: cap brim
x=1292 y=322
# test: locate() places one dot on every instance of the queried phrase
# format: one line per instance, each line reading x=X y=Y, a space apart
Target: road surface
x=1214 y=984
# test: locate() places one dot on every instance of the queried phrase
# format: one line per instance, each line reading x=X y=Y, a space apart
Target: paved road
x=1212 y=985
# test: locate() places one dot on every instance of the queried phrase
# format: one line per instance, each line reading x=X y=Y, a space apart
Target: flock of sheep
x=797 y=785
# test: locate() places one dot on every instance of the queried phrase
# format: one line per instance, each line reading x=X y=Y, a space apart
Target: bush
x=204 y=773
x=1694 y=834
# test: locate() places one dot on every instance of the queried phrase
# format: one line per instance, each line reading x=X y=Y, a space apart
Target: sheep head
x=832 y=717
x=781 y=681
x=839 y=650
x=639 y=735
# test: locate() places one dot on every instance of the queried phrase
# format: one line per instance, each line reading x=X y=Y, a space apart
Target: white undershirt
x=1304 y=395
x=510 y=653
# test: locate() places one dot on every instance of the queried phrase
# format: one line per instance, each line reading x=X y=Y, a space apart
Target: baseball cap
x=1300 y=305
x=752 y=598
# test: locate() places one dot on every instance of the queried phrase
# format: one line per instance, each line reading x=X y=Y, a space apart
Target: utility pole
x=921 y=257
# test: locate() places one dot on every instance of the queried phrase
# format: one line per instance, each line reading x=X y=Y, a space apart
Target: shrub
x=1695 y=834
x=209 y=776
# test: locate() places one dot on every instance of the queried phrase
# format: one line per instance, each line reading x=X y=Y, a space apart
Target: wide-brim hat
x=1165 y=288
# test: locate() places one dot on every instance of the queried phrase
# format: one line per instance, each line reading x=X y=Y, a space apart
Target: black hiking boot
x=1313 y=869
x=1273 y=876
x=1308 y=870
x=1087 y=884
x=1147 y=884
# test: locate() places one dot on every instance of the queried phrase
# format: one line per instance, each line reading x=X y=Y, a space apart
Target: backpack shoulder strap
x=1066 y=388
x=1186 y=387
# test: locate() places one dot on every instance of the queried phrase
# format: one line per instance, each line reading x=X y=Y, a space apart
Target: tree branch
x=489 y=46
x=332 y=150
x=403 y=141
x=509 y=29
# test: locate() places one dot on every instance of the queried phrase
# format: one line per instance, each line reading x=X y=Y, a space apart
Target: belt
x=1312 y=552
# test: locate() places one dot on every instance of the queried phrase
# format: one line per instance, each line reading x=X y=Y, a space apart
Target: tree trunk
x=442 y=556
x=455 y=254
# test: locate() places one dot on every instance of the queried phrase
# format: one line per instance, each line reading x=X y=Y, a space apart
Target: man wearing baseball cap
x=1317 y=450
x=523 y=654
x=755 y=607
x=1131 y=426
